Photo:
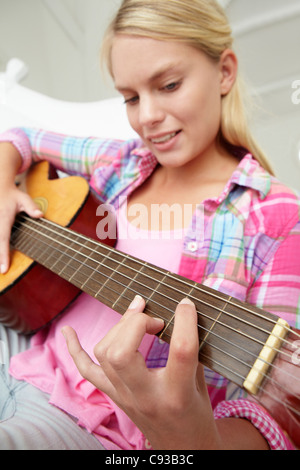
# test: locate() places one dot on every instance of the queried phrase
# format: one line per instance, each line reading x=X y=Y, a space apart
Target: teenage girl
x=173 y=62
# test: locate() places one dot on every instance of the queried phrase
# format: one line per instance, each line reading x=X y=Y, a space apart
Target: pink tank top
x=161 y=248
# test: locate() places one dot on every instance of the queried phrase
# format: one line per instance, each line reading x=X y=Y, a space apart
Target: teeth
x=164 y=139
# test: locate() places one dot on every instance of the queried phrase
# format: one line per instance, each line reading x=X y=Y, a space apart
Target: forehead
x=141 y=58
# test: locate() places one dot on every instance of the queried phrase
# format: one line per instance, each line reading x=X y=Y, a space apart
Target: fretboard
x=231 y=333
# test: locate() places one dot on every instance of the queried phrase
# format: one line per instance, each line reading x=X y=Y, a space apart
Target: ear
x=229 y=69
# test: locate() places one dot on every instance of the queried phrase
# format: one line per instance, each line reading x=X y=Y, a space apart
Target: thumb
x=27 y=204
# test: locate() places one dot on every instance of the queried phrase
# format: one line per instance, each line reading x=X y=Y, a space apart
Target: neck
x=213 y=165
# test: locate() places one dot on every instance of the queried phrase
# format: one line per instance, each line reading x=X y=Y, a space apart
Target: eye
x=172 y=86
x=132 y=100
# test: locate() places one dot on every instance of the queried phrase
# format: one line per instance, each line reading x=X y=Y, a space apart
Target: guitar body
x=31 y=295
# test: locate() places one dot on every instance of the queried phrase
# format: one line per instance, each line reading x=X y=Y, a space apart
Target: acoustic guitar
x=55 y=258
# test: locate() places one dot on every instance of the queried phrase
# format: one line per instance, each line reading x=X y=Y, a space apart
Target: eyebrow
x=156 y=75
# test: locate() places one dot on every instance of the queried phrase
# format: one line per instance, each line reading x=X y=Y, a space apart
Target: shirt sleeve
x=73 y=155
x=20 y=141
x=268 y=428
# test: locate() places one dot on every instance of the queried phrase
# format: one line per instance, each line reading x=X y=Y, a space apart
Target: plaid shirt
x=248 y=248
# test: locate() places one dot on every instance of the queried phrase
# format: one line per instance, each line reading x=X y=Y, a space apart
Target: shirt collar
x=248 y=174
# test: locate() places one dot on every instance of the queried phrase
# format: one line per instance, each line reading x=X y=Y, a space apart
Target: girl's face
x=173 y=96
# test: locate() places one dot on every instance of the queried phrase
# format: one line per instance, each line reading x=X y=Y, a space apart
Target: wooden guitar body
x=31 y=295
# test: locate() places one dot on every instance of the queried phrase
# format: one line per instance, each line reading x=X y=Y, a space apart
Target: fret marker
x=266 y=357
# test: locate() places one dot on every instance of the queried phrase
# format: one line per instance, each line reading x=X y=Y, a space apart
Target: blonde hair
x=202 y=24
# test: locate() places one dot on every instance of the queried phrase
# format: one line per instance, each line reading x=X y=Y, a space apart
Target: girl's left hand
x=171 y=405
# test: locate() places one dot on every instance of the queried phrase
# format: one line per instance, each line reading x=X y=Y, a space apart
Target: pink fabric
x=48 y=366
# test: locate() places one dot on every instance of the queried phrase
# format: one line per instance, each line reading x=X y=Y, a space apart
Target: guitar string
x=155 y=269
x=288 y=406
x=226 y=326
x=149 y=288
x=159 y=271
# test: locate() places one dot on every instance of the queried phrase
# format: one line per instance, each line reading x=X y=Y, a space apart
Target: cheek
x=207 y=111
x=132 y=115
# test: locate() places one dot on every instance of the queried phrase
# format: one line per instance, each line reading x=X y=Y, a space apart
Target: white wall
x=280 y=138
x=59 y=40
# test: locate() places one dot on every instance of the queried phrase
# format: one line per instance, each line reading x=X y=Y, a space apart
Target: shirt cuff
x=17 y=138
x=258 y=416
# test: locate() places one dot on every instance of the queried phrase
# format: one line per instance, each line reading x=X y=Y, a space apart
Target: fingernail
x=159 y=320
x=186 y=301
x=38 y=213
x=3 y=269
x=136 y=302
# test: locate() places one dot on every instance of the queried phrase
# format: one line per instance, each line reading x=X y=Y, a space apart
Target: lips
x=163 y=138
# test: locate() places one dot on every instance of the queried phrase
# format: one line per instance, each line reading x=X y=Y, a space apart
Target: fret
x=60 y=262
x=86 y=254
x=128 y=286
x=108 y=283
x=48 y=255
x=155 y=291
x=127 y=273
x=91 y=274
x=98 y=292
x=65 y=265
x=112 y=283
x=165 y=332
x=69 y=259
x=209 y=332
x=120 y=276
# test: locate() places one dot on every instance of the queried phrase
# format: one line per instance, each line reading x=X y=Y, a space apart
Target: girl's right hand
x=12 y=201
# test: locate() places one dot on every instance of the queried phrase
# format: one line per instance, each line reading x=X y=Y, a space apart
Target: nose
x=150 y=111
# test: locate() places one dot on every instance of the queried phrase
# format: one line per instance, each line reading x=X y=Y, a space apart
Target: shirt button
x=148 y=445
x=192 y=246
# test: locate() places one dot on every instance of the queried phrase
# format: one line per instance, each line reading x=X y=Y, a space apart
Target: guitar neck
x=231 y=333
